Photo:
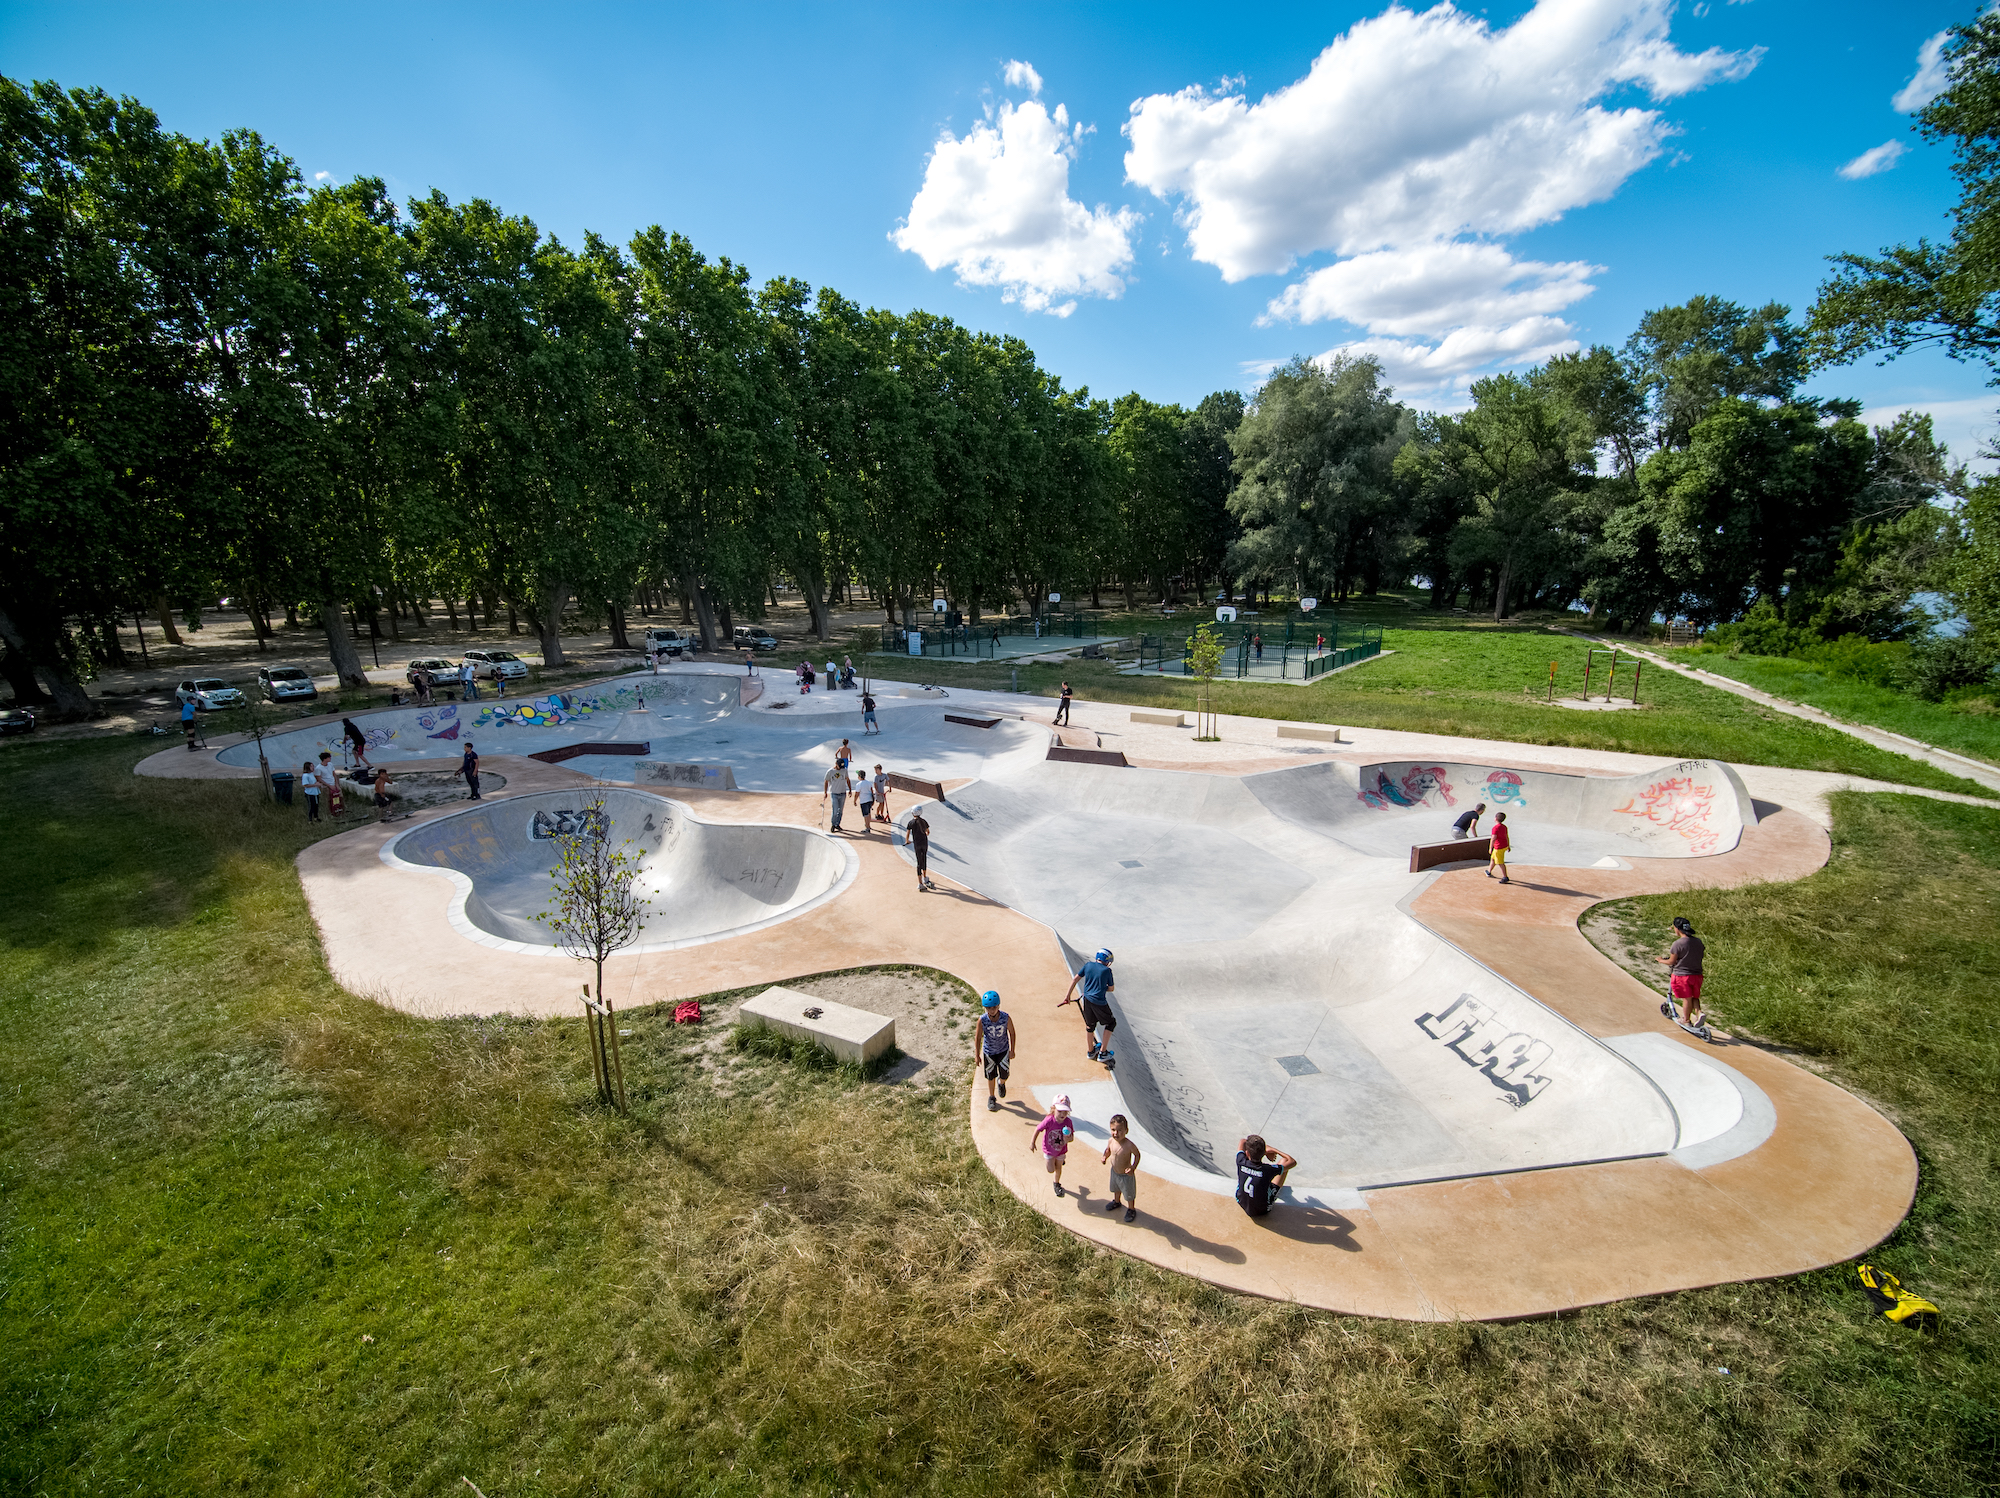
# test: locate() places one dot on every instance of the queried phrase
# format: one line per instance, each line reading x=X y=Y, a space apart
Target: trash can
x=281 y=782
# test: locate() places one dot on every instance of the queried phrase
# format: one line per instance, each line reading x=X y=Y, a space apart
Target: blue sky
x=1453 y=190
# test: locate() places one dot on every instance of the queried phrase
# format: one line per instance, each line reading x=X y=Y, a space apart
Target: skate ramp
x=1270 y=982
x=704 y=880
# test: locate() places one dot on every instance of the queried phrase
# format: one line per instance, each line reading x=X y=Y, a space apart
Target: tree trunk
x=704 y=621
x=816 y=609
x=114 y=649
x=725 y=625
x=451 y=611
x=555 y=598
x=616 y=614
x=687 y=615
x=67 y=699
x=340 y=645
x=1500 y=588
x=20 y=674
x=166 y=612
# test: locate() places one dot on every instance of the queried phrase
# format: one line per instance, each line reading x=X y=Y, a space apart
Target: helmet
x=1103 y=954
x=990 y=999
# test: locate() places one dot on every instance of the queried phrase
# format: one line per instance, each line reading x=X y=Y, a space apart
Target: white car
x=491 y=665
x=668 y=642
x=209 y=693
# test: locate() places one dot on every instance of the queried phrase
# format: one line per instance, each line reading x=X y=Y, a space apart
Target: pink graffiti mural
x=1414 y=789
x=1504 y=788
x=1680 y=806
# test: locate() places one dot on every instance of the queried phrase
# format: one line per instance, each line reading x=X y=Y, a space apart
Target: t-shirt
x=836 y=781
x=920 y=833
x=865 y=789
x=1687 y=954
x=1056 y=1134
x=867 y=703
x=465 y=670
x=187 y=711
x=1501 y=837
x=1096 y=981
x=1465 y=821
x=1253 y=1183
x=470 y=764
x=993 y=1031
x=311 y=780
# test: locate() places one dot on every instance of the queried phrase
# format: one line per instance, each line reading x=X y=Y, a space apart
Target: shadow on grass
x=762 y=1040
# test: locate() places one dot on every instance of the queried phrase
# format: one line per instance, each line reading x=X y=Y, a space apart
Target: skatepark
x=1435 y=1048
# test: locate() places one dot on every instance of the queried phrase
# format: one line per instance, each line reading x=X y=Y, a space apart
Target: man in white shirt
x=836 y=785
x=468 y=681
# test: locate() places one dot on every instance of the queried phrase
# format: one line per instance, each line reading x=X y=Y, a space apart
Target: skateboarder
x=868 y=723
x=381 y=794
x=1502 y=841
x=996 y=1045
x=1684 y=964
x=1062 y=708
x=1260 y=1174
x=468 y=767
x=1467 y=824
x=918 y=831
x=1094 y=979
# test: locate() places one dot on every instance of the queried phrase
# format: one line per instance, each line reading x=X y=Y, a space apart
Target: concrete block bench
x=1171 y=720
x=851 y=1034
x=1456 y=850
x=1322 y=735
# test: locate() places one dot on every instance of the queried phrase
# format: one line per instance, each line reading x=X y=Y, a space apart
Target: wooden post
x=1552 y=681
x=600 y=1073
x=1589 y=659
x=1611 y=681
x=1636 y=667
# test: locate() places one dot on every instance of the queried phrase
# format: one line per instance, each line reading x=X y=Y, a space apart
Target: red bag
x=687 y=1012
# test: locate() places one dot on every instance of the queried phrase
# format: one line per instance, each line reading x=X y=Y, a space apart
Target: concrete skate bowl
x=704 y=880
x=1269 y=980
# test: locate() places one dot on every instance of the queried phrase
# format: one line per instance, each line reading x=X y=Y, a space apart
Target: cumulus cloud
x=1420 y=291
x=1422 y=368
x=1933 y=76
x=1876 y=159
x=1415 y=128
x=1023 y=75
x=995 y=206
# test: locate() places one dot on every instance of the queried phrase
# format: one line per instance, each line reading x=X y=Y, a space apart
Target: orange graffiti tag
x=1680 y=806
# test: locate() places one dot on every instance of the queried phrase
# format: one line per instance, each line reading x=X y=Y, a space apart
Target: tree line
x=220 y=379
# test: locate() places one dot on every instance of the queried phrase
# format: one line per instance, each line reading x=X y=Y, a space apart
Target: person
x=468 y=681
x=845 y=754
x=1684 y=965
x=1094 y=978
x=996 y=1046
x=1257 y=644
x=749 y=661
x=309 y=782
x=1038 y=626
x=1054 y=1133
x=1123 y=1157
x=1502 y=841
x=1260 y=1174
x=381 y=794
x=1062 y=708
x=330 y=779
x=837 y=786
x=1467 y=824
x=881 y=795
x=832 y=674
x=469 y=768
x=918 y=832
x=351 y=731
x=809 y=677
x=864 y=797
x=868 y=723
x=499 y=682
x=188 y=723
x=847 y=671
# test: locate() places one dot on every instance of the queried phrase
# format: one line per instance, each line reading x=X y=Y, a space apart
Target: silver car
x=286 y=684
x=209 y=693
x=492 y=664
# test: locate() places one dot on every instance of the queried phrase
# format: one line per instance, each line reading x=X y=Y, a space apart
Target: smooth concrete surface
x=850 y=1034
x=1270 y=917
x=699 y=882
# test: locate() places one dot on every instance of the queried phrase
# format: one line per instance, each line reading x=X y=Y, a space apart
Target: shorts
x=923 y=859
x=1499 y=856
x=867 y=809
x=996 y=1065
x=1686 y=986
x=1098 y=1014
x=1250 y=1206
x=382 y=801
x=1459 y=834
x=868 y=720
x=1126 y=1184
x=1054 y=1163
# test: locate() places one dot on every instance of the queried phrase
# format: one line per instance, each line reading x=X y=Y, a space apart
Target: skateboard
x=1700 y=1031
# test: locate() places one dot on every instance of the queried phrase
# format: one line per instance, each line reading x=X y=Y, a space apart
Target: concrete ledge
x=1320 y=735
x=851 y=1034
x=1171 y=720
x=572 y=751
x=1088 y=756
x=970 y=722
x=1456 y=850
x=896 y=780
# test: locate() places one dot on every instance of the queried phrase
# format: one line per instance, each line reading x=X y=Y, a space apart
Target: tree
x=593 y=912
x=1205 y=661
x=1686 y=359
x=1933 y=295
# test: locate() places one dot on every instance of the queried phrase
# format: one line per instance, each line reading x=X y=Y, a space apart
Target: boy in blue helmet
x=1094 y=979
x=994 y=1045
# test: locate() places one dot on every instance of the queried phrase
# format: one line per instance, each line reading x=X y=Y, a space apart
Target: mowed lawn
x=1457 y=677
x=260 y=1236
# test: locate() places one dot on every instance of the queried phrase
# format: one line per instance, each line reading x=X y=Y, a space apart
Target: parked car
x=755 y=637
x=444 y=673
x=286 y=684
x=16 y=720
x=208 y=693
x=494 y=664
x=668 y=642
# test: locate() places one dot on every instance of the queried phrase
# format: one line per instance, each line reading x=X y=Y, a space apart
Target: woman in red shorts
x=1683 y=961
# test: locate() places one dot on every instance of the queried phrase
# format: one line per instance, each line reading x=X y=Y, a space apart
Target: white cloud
x=1932 y=77
x=1420 y=369
x=1876 y=159
x=1023 y=75
x=322 y=176
x=1967 y=427
x=995 y=206
x=1414 y=128
x=1422 y=290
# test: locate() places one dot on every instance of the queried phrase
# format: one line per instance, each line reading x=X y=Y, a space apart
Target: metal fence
x=1299 y=650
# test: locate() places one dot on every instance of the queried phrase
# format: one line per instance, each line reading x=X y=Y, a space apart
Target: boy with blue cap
x=995 y=1045
x=1094 y=978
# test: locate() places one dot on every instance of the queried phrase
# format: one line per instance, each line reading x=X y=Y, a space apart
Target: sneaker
x=1131 y=1214
x=1106 y=1054
x=1003 y=1089
x=991 y=1105
x=1113 y=1205
x=1059 y=1190
x=1093 y=1053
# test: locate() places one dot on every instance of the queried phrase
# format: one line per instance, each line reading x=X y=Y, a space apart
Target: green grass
x=1471 y=679
x=259 y=1236
x=1969 y=727
x=762 y=1040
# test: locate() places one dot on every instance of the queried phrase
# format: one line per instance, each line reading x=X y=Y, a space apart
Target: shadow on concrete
x=1317 y=1226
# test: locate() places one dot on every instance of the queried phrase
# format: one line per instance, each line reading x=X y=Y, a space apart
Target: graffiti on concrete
x=1679 y=805
x=1418 y=785
x=1512 y=1061
x=569 y=822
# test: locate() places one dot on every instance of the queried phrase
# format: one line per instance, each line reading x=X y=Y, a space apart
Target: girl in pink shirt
x=1054 y=1134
